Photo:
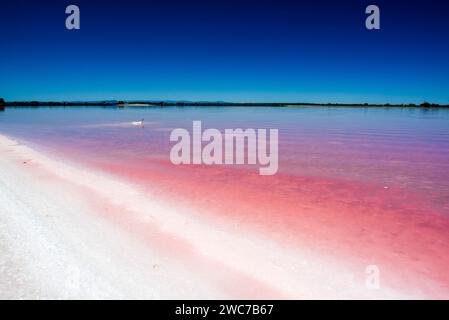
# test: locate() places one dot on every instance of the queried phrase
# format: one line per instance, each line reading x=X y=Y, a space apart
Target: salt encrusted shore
x=69 y=232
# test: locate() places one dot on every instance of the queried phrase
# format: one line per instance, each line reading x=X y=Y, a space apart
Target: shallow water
x=404 y=147
x=367 y=185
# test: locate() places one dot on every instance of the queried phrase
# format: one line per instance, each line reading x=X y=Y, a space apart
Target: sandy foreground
x=69 y=232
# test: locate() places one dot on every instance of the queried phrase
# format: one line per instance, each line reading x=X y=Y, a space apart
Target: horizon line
x=143 y=102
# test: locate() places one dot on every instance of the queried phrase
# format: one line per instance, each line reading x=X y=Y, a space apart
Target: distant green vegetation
x=114 y=103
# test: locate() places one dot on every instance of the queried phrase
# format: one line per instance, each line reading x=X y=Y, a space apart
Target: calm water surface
x=403 y=147
x=367 y=185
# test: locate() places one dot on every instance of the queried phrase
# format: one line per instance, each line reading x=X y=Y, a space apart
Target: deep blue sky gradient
x=307 y=51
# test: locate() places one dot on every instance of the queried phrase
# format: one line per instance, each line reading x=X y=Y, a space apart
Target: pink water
x=364 y=186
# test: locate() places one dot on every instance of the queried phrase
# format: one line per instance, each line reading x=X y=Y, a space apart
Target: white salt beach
x=69 y=232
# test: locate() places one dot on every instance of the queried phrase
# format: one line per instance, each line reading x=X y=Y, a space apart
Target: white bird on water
x=138 y=123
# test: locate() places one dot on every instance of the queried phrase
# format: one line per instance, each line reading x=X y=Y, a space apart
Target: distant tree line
x=114 y=103
x=56 y=104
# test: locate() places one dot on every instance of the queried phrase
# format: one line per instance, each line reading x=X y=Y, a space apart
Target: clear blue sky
x=307 y=51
